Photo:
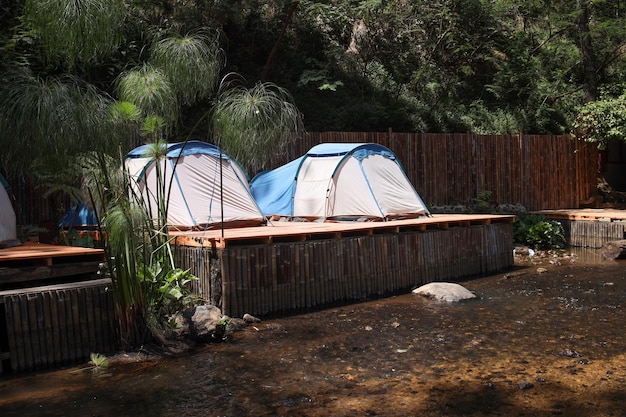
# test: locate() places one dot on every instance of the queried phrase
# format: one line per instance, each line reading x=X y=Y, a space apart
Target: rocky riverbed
x=544 y=339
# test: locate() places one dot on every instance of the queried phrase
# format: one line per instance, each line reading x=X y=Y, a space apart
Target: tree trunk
x=586 y=48
x=269 y=64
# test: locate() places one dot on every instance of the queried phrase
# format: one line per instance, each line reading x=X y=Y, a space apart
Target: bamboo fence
x=589 y=227
x=295 y=275
x=591 y=234
x=56 y=325
x=537 y=171
x=54 y=309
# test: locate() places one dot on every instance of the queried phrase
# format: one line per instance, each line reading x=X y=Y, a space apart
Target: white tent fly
x=8 y=228
x=206 y=187
x=339 y=181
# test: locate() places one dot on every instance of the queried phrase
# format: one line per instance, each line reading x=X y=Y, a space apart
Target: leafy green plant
x=191 y=62
x=481 y=203
x=169 y=287
x=149 y=89
x=97 y=364
x=602 y=120
x=73 y=44
x=253 y=124
x=167 y=292
x=98 y=361
x=144 y=269
x=522 y=224
x=536 y=231
x=225 y=321
x=547 y=234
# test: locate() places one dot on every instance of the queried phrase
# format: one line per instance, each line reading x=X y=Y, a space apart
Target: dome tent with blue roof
x=207 y=187
x=339 y=181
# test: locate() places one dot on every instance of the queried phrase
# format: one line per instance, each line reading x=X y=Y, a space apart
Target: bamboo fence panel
x=205 y=265
x=592 y=234
x=56 y=325
x=536 y=171
x=263 y=279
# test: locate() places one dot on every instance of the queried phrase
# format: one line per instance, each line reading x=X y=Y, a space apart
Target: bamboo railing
x=591 y=234
x=536 y=171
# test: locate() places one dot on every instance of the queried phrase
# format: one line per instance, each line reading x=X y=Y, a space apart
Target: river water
x=546 y=339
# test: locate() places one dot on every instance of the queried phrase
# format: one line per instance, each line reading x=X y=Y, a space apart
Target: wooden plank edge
x=70 y=285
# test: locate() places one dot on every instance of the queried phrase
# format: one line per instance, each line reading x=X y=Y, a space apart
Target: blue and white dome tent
x=339 y=181
x=208 y=187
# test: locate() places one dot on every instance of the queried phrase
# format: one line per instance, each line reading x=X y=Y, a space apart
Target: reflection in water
x=588 y=256
x=533 y=343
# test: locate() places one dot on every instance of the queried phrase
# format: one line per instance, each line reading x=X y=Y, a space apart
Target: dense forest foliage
x=82 y=82
x=485 y=66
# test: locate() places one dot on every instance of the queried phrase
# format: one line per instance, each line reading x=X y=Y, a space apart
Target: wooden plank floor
x=590 y=227
x=35 y=264
x=585 y=214
x=301 y=231
x=612 y=215
x=44 y=254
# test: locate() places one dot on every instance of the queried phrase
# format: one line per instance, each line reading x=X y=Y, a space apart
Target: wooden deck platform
x=589 y=227
x=611 y=215
x=284 y=267
x=54 y=309
x=35 y=264
x=290 y=266
x=284 y=231
x=43 y=254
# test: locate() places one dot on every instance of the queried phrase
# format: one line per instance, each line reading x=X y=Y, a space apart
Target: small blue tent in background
x=339 y=181
x=79 y=217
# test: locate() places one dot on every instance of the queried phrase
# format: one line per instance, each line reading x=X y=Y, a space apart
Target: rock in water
x=248 y=318
x=445 y=291
x=524 y=385
x=613 y=250
x=204 y=323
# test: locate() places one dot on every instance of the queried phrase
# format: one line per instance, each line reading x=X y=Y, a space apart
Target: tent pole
x=219 y=144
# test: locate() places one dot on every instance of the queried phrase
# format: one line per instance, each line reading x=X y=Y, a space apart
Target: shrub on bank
x=537 y=232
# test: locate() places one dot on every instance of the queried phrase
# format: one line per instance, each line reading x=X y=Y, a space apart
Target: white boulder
x=444 y=291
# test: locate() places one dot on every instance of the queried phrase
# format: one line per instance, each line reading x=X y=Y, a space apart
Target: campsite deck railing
x=537 y=171
x=57 y=325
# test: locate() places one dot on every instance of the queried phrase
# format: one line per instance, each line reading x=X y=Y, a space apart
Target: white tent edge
x=8 y=225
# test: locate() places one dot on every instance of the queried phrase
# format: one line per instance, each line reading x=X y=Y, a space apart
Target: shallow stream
x=535 y=343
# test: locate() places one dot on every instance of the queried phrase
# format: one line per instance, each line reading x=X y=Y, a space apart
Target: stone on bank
x=444 y=291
